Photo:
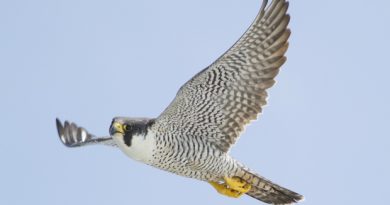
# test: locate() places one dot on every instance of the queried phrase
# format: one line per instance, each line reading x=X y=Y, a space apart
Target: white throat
x=141 y=148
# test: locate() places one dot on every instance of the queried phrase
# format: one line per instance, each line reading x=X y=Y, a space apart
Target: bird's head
x=134 y=137
x=126 y=128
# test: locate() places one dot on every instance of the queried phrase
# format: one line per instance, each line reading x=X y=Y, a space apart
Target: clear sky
x=325 y=132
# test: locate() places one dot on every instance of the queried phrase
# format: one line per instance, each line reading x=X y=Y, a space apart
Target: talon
x=224 y=190
x=238 y=184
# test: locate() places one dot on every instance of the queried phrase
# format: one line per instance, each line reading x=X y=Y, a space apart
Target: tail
x=267 y=191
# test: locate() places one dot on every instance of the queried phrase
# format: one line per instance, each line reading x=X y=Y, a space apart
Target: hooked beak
x=116 y=127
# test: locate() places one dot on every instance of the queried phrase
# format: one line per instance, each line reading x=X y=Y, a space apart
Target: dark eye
x=126 y=127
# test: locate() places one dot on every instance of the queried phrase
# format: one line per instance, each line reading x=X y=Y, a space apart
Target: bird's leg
x=238 y=184
x=224 y=190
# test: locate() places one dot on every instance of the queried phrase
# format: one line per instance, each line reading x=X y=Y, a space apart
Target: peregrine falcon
x=193 y=135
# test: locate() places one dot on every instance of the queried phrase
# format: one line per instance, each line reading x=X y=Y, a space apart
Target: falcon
x=193 y=135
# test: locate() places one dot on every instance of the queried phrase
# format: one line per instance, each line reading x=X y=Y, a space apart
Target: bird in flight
x=193 y=135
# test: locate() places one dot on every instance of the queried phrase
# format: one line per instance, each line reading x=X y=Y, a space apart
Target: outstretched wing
x=219 y=101
x=73 y=136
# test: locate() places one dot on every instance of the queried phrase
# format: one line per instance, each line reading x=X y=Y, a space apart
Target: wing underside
x=222 y=99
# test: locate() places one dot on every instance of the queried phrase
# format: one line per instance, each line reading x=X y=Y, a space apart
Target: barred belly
x=193 y=158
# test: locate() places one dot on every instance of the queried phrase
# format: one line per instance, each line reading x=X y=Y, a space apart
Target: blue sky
x=325 y=132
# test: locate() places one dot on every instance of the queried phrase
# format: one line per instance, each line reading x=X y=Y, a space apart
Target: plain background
x=325 y=132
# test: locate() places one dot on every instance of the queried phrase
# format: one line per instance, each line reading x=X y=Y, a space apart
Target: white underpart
x=141 y=148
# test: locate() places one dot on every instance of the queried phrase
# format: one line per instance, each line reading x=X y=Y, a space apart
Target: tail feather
x=267 y=191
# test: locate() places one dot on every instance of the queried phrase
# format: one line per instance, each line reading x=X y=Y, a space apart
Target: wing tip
x=63 y=132
x=60 y=128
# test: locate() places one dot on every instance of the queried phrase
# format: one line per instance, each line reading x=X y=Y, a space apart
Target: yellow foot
x=224 y=190
x=237 y=184
x=233 y=187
